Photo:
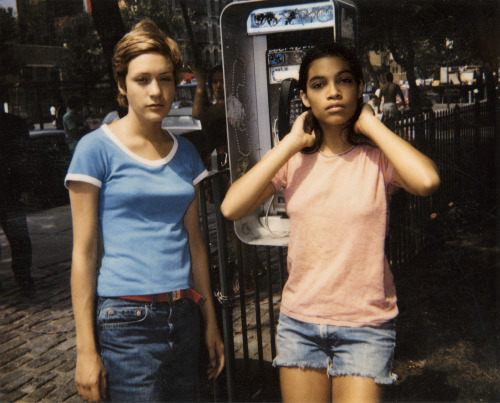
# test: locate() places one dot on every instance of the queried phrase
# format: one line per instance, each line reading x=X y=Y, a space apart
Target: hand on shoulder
x=302 y=134
x=365 y=121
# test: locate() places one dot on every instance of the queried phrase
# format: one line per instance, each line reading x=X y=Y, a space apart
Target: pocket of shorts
x=119 y=316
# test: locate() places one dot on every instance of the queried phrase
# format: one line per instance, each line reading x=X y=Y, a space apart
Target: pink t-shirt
x=338 y=209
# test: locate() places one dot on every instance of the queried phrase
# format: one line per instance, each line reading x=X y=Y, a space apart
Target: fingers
x=217 y=360
x=103 y=386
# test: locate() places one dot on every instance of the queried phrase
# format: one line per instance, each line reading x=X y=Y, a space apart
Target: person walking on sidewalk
x=213 y=121
x=387 y=105
x=137 y=185
x=75 y=126
x=16 y=191
x=336 y=332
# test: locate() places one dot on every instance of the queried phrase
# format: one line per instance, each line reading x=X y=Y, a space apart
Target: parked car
x=51 y=158
x=110 y=117
x=180 y=121
x=182 y=104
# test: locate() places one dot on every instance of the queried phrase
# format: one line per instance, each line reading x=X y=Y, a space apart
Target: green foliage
x=9 y=35
x=84 y=59
x=160 y=11
x=416 y=33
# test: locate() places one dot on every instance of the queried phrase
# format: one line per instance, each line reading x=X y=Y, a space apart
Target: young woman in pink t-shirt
x=338 y=166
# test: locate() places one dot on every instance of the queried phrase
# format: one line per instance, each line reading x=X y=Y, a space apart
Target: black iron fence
x=461 y=141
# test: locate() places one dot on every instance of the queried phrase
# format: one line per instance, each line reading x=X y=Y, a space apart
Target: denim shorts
x=342 y=351
x=150 y=351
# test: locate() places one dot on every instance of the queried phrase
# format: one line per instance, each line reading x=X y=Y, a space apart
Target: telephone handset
x=290 y=107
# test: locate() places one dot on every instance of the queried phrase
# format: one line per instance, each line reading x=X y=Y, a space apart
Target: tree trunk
x=109 y=25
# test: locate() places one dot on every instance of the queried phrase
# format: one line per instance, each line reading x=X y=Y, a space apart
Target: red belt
x=171 y=296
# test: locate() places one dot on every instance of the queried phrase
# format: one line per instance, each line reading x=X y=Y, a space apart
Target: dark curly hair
x=332 y=49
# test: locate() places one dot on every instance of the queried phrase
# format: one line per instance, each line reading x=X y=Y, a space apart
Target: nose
x=154 y=88
x=333 y=90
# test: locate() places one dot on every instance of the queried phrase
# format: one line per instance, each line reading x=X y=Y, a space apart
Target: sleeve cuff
x=82 y=178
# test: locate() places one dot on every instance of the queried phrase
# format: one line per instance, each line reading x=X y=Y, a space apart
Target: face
x=150 y=86
x=332 y=91
x=218 y=86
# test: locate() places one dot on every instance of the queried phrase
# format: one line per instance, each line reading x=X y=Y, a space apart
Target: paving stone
x=11 y=345
x=39 y=381
x=12 y=355
x=67 y=365
x=14 y=396
x=17 y=363
x=62 y=394
x=37 y=395
x=14 y=381
x=51 y=364
x=5 y=337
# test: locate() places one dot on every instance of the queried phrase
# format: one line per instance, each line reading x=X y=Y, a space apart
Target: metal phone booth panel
x=263 y=43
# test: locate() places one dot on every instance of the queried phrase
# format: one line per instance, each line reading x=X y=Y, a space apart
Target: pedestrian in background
x=75 y=126
x=213 y=120
x=388 y=94
x=137 y=185
x=338 y=167
x=374 y=102
x=16 y=192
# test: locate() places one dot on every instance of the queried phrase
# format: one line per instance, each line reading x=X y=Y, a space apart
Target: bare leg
x=355 y=389
x=305 y=385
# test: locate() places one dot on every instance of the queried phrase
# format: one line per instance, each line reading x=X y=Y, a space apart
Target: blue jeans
x=150 y=350
x=349 y=351
x=15 y=227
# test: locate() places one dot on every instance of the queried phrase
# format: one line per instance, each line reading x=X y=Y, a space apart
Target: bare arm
x=201 y=278
x=201 y=101
x=90 y=376
x=415 y=172
x=253 y=188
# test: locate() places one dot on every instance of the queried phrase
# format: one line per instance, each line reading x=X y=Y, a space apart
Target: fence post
x=457 y=141
x=227 y=316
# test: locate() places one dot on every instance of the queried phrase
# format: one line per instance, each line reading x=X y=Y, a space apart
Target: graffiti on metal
x=309 y=16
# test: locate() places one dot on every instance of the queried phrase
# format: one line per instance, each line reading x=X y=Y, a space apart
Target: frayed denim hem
x=389 y=380
x=301 y=364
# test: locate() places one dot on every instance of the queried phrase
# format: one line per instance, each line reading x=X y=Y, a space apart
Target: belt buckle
x=174 y=295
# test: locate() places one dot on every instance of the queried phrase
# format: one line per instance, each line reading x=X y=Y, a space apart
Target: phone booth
x=263 y=43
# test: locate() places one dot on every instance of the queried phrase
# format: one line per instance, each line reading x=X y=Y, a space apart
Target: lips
x=334 y=108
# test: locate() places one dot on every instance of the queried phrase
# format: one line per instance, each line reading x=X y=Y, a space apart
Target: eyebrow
x=338 y=74
x=147 y=73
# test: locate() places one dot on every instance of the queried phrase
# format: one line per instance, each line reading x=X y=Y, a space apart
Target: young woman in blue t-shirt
x=137 y=316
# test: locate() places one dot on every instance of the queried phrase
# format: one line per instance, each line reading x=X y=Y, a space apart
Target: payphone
x=263 y=43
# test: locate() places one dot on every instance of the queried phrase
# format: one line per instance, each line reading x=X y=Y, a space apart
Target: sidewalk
x=37 y=345
x=37 y=339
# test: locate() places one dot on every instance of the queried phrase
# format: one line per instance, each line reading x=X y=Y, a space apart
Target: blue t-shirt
x=141 y=209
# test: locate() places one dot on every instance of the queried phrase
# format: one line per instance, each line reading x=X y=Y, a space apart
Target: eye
x=317 y=84
x=346 y=80
x=141 y=80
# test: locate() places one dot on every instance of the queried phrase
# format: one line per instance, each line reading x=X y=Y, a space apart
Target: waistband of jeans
x=170 y=296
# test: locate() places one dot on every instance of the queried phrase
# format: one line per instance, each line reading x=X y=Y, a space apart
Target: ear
x=305 y=100
x=122 y=90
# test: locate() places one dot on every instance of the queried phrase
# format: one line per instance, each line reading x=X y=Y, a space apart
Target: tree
x=416 y=32
x=108 y=23
x=9 y=35
x=84 y=60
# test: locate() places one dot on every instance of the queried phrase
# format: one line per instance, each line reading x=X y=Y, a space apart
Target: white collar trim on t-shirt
x=154 y=163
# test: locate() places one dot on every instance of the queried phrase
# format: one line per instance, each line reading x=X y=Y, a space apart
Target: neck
x=146 y=129
x=334 y=141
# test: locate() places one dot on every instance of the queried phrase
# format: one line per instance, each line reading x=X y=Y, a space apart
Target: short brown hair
x=145 y=37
